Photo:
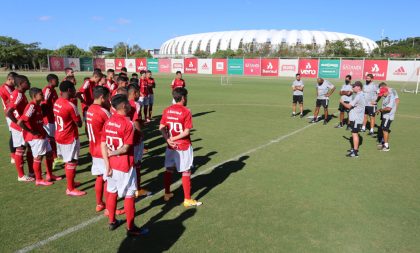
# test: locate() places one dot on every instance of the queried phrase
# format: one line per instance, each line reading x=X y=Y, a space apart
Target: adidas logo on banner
x=400 y=71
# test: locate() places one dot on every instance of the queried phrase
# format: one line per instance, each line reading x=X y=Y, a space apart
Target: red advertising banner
x=164 y=65
x=99 y=63
x=270 y=67
x=378 y=68
x=252 y=67
x=141 y=64
x=308 y=68
x=190 y=65
x=351 y=67
x=219 y=66
x=119 y=64
x=56 y=63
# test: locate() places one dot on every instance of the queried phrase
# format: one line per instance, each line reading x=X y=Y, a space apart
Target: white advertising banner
x=177 y=65
x=402 y=70
x=109 y=64
x=73 y=63
x=288 y=67
x=204 y=66
x=130 y=64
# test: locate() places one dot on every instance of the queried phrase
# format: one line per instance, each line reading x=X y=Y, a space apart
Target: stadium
x=234 y=40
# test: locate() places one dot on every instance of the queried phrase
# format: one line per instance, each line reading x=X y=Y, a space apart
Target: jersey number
x=114 y=143
x=175 y=127
x=91 y=136
x=59 y=123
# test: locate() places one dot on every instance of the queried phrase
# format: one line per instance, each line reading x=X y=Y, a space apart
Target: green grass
x=300 y=194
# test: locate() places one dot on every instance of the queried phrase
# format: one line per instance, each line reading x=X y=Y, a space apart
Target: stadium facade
x=234 y=40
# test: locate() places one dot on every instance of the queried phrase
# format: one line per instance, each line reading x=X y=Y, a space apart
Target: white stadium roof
x=213 y=41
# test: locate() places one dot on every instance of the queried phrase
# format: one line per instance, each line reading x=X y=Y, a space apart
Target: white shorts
x=17 y=137
x=69 y=152
x=181 y=159
x=144 y=101
x=151 y=99
x=9 y=121
x=98 y=166
x=50 y=129
x=138 y=152
x=123 y=183
x=39 y=147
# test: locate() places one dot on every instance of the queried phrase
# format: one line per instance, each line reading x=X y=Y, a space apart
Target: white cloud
x=123 y=21
x=45 y=18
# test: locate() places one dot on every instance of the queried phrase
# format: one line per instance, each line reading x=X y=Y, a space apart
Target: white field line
x=176 y=184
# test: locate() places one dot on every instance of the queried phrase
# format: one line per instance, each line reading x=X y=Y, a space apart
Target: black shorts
x=355 y=128
x=298 y=99
x=322 y=102
x=341 y=108
x=370 y=110
x=386 y=124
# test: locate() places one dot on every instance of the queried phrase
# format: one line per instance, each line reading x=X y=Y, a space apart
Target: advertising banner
x=56 y=63
x=270 y=67
x=353 y=68
x=73 y=63
x=164 y=65
x=119 y=64
x=141 y=64
x=99 y=63
x=235 y=66
x=204 y=66
x=190 y=65
x=252 y=67
x=288 y=67
x=153 y=65
x=401 y=71
x=110 y=64
x=86 y=64
x=130 y=64
x=378 y=68
x=329 y=68
x=177 y=65
x=308 y=68
x=219 y=66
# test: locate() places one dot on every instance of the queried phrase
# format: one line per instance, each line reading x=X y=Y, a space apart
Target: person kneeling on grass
x=389 y=106
x=175 y=126
x=356 y=114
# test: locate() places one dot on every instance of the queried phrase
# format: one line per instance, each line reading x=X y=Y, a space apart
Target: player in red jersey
x=135 y=117
x=15 y=109
x=35 y=135
x=5 y=91
x=50 y=96
x=151 y=85
x=96 y=116
x=144 y=93
x=110 y=83
x=85 y=92
x=175 y=126
x=122 y=82
x=67 y=120
x=118 y=153
x=178 y=82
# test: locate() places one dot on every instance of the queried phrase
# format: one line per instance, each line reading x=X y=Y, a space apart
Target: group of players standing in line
x=359 y=101
x=112 y=106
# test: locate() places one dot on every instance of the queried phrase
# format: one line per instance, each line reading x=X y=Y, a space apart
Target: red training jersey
x=66 y=117
x=111 y=85
x=135 y=115
x=33 y=119
x=144 y=87
x=117 y=132
x=177 y=118
x=50 y=96
x=96 y=116
x=5 y=92
x=176 y=83
x=87 y=93
x=18 y=101
x=151 y=84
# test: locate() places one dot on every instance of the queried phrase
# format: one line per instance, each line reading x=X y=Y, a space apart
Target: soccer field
x=269 y=182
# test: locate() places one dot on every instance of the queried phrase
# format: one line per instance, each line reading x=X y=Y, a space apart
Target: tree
x=71 y=51
x=12 y=51
x=201 y=54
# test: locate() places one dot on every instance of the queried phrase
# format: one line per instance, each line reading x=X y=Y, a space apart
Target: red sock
x=111 y=205
x=70 y=169
x=105 y=191
x=49 y=165
x=53 y=147
x=37 y=169
x=99 y=187
x=138 y=167
x=30 y=161
x=167 y=180
x=19 y=162
x=186 y=184
x=129 y=209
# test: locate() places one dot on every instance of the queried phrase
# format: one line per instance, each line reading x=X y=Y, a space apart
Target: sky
x=151 y=23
